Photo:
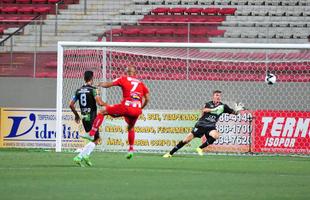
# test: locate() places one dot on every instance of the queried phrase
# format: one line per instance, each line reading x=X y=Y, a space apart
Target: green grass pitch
x=49 y=175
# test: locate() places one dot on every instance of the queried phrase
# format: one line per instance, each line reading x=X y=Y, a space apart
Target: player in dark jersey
x=206 y=125
x=88 y=97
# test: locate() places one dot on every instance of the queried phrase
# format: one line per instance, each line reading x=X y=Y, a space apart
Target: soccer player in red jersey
x=135 y=98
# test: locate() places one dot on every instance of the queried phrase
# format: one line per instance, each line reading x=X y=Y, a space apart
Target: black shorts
x=199 y=131
x=88 y=124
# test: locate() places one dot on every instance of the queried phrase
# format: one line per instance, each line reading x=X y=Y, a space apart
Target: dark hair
x=217 y=91
x=88 y=76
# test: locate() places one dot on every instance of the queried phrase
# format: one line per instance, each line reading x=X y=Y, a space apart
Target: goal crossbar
x=186 y=45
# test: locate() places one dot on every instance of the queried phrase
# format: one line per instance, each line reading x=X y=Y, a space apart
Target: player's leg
x=197 y=131
x=98 y=121
x=131 y=121
x=88 y=148
x=113 y=110
x=211 y=136
x=183 y=142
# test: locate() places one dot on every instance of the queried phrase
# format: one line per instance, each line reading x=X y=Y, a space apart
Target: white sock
x=90 y=148
x=87 y=149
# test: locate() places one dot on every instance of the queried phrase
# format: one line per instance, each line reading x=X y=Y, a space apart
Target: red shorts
x=131 y=114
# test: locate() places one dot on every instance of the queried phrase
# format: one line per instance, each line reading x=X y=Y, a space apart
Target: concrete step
x=79 y=17
x=256 y=40
x=27 y=49
x=91 y=12
x=79 y=30
x=20 y=40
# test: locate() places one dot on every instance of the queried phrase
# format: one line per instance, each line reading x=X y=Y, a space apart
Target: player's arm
x=146 y=100
x=100 y=102
x=208 y=109
x=115 y=82
x=235 y=111
x=72 y=107
x=106 y=84
x=98 y=98
x=205 y=109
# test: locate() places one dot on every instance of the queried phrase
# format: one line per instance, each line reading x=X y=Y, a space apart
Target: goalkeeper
x=206 y=125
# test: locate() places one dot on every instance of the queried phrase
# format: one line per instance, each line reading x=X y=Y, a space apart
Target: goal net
x=181 y=78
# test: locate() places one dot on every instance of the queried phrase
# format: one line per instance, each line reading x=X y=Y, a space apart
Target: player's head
x=131 y=71
x=88 y=76
x=216 y=96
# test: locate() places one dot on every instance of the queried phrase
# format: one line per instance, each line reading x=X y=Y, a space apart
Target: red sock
x=98 y=121
x=131 y=139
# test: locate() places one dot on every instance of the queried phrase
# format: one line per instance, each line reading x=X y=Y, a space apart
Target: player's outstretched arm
x=105 y=84
x=76 y=114
x=98 y=98
x=146 y=100
x=99 y=101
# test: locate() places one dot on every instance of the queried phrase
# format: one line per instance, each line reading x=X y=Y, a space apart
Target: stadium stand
x=277 y=21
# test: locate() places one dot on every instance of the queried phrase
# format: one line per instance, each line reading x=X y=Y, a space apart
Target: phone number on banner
x=232 y=140
x=234 y=128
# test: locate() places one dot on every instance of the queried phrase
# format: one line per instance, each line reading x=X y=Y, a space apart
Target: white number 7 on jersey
x=134 y=86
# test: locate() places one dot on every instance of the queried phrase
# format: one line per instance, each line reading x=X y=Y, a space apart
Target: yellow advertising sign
x=35 y=128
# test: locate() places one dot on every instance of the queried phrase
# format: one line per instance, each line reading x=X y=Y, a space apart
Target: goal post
x=181 y=77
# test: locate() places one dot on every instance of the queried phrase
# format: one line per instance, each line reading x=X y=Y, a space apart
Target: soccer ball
x=270 y=79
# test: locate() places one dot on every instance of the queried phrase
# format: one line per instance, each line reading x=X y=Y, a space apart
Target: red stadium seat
x=39 y=1
x=23 y=1
x=11 y=19
x=227 y=11
x=8 y=1
x=165 y=31
x=1 y=31
x=191 y=11
x=208 y=11
x=215 y=19
x=25 y=19
x=151 y=31
x=199 y=32
x=198 y=19
x=147 y=19
x=42 y=10
x=216 y=32
x=133 y=31
x=10 y=10
x=160 y=10
x=26 y=10
x=52 y=1
x=114 y=32
x=180 y=32
x=167 y=18
x=177 y=10
x=182 y=18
